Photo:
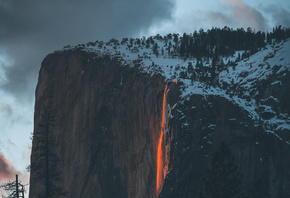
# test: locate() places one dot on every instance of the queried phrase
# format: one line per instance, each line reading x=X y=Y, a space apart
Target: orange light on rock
x=160 y=165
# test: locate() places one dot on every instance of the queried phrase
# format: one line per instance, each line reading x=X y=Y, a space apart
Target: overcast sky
x=31 y=29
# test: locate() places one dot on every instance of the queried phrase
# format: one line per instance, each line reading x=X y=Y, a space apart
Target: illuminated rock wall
x=108 y=123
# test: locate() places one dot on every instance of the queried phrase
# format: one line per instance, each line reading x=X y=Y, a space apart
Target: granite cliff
x=107 y=101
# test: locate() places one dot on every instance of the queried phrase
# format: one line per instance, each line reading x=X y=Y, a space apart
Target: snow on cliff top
x=235 y=83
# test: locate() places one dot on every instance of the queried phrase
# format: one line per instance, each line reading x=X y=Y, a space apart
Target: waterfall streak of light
x=160 y=165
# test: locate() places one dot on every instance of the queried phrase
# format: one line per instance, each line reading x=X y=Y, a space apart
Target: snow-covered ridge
x=155 y=54
x=238 y=81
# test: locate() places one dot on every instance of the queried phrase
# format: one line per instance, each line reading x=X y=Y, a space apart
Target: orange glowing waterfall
x=160 y=175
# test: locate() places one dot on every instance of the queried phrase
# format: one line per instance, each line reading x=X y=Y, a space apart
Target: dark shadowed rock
x=107 y=127
x=108 y=119
x=202 y=124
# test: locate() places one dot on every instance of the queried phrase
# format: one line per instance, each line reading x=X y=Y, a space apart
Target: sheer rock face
x=107 y=122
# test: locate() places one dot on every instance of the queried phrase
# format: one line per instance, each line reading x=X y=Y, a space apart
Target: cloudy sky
x=30 y=29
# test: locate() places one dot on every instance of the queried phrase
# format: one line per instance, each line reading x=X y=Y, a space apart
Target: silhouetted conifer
x=45 y=161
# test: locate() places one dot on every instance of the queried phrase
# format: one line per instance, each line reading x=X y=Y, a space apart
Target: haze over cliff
x=127 y=111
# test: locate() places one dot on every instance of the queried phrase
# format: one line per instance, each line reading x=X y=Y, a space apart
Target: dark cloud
x=280 y=15
x=6 y=109
x=31 y=29
x=219 y=19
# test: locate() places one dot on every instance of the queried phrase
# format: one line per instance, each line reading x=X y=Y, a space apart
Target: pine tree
x=15 y=189
x=44 y=166
x=155 y=49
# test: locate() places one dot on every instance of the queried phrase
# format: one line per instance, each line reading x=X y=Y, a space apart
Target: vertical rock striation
x=107 y=123
x=110 y=122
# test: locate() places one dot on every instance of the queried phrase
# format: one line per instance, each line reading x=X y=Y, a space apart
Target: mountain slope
x=249 y=83
x=107 y=98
